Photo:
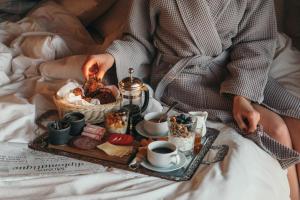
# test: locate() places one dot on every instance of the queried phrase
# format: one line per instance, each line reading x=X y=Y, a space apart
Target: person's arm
x=252 y=52
x=135 y=48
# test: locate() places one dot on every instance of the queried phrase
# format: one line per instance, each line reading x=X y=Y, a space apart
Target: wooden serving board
x=77 y=153
x=93 y=153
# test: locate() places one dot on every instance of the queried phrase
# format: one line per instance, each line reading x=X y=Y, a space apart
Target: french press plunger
x=131 y=89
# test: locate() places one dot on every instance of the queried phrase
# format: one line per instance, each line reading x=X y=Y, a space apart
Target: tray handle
x=222 y=151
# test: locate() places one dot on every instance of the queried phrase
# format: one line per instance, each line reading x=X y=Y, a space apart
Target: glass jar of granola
x=182 y=132
x=116 y=121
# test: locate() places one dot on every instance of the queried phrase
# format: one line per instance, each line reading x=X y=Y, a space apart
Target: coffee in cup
x=154 y=126
x=162 y=154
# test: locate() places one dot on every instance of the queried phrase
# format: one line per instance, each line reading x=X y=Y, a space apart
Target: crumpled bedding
x=246 y=173
x=37 y=59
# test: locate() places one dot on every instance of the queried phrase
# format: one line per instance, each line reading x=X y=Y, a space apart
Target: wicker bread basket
x=93 y=113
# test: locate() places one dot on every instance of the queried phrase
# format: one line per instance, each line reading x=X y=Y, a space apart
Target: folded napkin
x=285 y=156
x=66 y=92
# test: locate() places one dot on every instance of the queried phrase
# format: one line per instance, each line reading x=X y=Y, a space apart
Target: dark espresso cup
x=77 y=122
x=58 y=132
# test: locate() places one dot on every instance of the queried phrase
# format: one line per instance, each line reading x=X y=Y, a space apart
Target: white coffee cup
x=162 y=154
x=155 y=128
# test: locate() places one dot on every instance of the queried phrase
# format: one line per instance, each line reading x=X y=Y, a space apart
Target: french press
x=131 y=89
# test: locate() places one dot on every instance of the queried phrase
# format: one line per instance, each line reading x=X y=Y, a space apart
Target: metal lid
x=131 y=83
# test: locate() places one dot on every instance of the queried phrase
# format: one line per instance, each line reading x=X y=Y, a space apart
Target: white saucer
x=182 y=162
x=139 y=128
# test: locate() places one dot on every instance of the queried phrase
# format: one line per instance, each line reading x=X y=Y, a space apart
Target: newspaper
x=18 y=161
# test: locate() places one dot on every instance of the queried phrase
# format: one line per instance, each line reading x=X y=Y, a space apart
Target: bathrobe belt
x=179 y=64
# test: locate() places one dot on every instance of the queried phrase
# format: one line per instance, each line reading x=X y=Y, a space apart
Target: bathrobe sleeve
x=136 y=48
x=252 y=52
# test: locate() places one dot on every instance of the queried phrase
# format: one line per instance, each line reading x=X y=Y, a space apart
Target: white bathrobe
x=203 y=52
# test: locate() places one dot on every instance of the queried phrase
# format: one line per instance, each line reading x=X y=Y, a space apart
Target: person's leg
x=275 y=126
x=294 y=129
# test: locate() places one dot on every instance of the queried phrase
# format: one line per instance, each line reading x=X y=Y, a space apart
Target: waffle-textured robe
x=202 y=52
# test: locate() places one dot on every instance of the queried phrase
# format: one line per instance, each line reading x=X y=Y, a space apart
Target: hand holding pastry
x=97 y=65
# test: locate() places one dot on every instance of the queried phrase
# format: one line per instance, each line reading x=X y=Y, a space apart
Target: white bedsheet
x=247 y=173
x=30 y=73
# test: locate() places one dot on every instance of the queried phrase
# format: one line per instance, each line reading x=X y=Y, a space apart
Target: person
x=209 y=55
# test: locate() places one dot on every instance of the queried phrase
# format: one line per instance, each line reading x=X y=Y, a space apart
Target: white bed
x=36 y=58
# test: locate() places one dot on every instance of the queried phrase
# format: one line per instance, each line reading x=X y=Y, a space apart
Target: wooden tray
x=185 y=173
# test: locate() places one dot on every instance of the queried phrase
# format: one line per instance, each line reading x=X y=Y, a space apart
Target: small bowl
x=77 y=122
x=155 y=128
x=59 y=136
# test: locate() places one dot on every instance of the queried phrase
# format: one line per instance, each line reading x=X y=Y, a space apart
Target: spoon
x=165 y=115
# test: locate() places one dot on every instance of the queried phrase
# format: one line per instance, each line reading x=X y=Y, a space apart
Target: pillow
x=55 y=19
x=45 y=47
x=111 y=25
x=87 y=10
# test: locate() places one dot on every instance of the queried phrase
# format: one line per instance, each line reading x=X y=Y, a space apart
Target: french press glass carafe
x=132 y=89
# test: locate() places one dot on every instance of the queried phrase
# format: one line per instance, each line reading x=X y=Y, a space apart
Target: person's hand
x=97 y=65
x=244 y=114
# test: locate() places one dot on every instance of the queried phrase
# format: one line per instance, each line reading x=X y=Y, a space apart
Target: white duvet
x=39 y=54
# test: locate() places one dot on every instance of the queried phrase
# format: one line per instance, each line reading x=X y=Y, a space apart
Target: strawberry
x=120 y=139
